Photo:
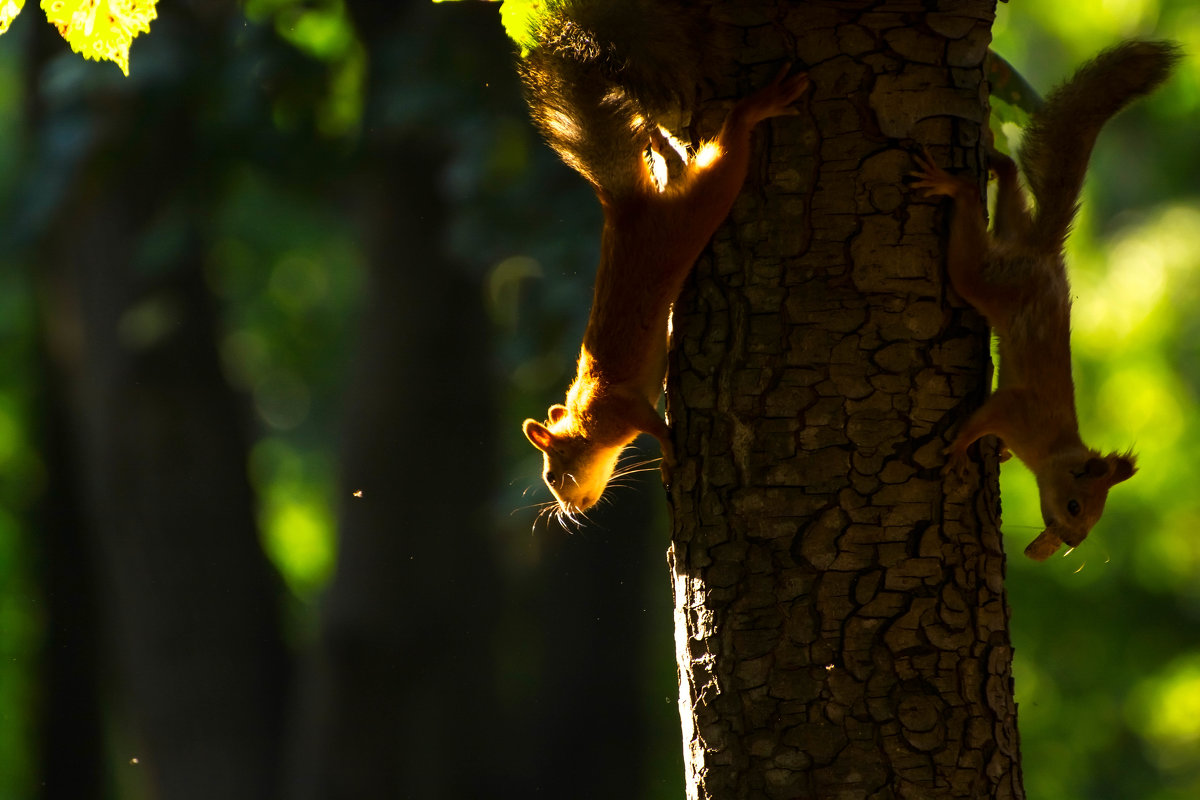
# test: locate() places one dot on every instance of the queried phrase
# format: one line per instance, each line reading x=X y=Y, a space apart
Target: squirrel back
x=601 y=73
x=1058 y=142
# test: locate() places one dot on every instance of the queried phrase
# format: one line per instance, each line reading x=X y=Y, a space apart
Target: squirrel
x=595 y=80
x=1016 y=277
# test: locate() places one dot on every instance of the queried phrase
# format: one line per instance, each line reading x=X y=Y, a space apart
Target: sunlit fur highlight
x=656 y=224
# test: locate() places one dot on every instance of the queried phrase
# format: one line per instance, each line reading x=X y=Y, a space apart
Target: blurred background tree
x=271 y=310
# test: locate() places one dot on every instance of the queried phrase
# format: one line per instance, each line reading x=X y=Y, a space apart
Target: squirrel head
x=1073 y=489
x=575 y=469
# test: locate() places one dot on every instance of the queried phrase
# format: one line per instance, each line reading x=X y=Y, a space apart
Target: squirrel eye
x=551 y=479
x=1073 y=508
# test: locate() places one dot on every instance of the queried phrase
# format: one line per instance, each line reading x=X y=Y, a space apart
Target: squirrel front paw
x=957 y=462
x=933 y=180
x=775 y=99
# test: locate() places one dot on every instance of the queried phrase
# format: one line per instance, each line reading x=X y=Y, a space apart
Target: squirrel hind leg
x=1011 y=219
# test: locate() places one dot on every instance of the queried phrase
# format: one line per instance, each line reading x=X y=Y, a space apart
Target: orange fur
x=1016 y=277
x=650 y=242
x=1025 y=297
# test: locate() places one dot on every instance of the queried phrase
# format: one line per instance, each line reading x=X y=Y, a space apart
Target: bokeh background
x=380 y=239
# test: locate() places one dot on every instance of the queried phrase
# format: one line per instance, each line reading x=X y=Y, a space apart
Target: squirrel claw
x=932 y=179
x=776 y=99
x=956 y=462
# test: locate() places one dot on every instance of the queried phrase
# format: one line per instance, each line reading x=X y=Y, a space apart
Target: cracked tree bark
x=841 y=620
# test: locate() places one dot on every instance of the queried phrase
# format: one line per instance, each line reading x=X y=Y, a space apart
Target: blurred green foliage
x=20 y=465
x=290 y=290
x=284 y=264
x=322 y=31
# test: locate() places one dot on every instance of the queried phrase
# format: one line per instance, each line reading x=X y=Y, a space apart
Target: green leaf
x=8 y=12
x=520 y=17
x=101 y=31
x=1009 y=86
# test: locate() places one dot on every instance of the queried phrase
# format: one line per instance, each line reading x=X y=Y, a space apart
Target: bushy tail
x=601 y=70
x=1058 y=142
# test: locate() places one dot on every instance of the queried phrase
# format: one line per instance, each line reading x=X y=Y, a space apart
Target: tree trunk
x=72 y=738
x=394 y=698
x=841 y=621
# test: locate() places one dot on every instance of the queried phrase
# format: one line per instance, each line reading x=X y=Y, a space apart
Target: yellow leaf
x=8 y=12
x=101 y=29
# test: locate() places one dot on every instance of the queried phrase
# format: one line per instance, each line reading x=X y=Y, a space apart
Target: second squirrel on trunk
x=597 y=76
x=1017 y=279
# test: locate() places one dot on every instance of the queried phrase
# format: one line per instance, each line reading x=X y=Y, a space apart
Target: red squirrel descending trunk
x=1015 y=277
x=594 y=81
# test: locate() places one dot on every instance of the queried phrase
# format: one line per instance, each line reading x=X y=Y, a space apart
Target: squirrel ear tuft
x=557 y=412
x=1123 y=466
x=538 y=434
x=1096 y=467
